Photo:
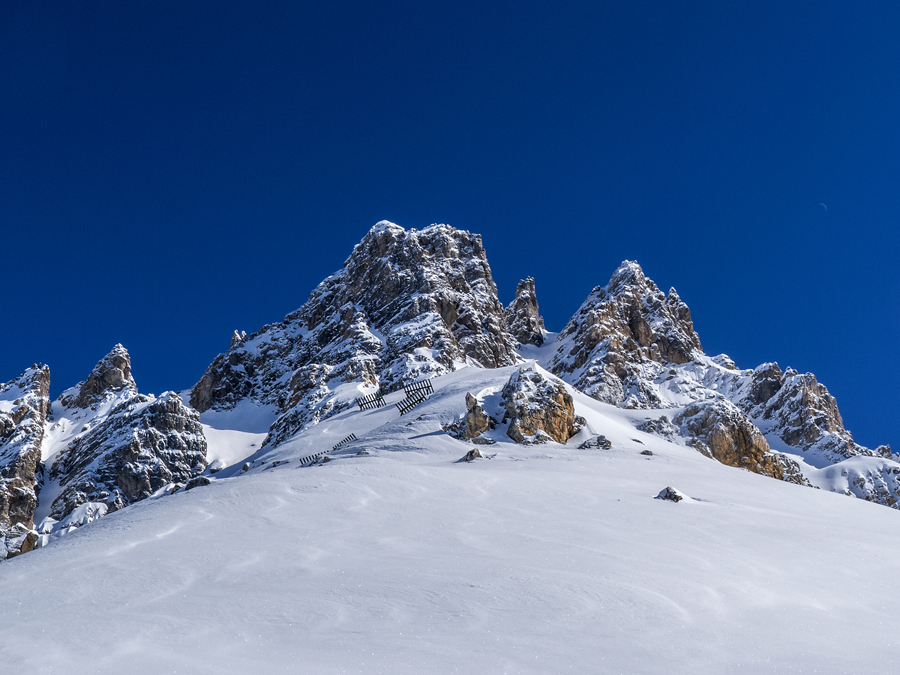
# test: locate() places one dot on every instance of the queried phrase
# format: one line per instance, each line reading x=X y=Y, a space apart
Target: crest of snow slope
x=24 y=402
x=543 y=559
x=633 y=346
x=406 y=305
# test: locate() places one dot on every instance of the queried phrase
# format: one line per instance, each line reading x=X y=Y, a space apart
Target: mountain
x=406 y=305
x=410 y=305
x=504 y=498
x=633 y=346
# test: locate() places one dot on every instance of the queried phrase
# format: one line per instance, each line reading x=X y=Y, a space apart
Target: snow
x=543 y=559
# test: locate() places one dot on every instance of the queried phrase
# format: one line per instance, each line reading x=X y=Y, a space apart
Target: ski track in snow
x=543 y=559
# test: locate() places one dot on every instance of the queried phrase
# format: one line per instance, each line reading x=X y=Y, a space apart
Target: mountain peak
x=112 y=373
x=628 y=274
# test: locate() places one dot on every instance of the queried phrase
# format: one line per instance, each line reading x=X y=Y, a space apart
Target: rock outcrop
x=537 y=408
x=720 y=430
x=111 y=374
x=406 y=305
x=141 y=446
x=523 y=316
x=622 y=336
x=24 y=405
x=477 y=420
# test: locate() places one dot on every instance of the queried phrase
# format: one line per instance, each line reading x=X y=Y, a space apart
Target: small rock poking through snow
x=671 y=494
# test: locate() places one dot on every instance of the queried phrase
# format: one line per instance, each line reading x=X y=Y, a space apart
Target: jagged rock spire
x=112 y=373
x=523 y=316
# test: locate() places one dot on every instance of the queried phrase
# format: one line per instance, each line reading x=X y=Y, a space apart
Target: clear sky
x=173 y=170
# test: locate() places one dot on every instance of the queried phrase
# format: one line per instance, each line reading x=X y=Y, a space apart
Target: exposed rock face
x=719 y=429
x=406 y=305
x=538 y=408
x=621 y=337
x=24 y=404
x=112 y=373
x=477 y=420
x=800 y=412
x=142 y=445
x=523 y=317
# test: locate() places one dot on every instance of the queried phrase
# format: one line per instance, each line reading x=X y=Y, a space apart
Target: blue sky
x=171 y=171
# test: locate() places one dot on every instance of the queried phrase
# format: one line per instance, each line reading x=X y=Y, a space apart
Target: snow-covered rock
x=142 y=445
x=111 y=374
x=406 y=305
x=720 y=430
x=24 y=403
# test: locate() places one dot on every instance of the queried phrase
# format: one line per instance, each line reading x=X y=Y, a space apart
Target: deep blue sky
x=170 y=171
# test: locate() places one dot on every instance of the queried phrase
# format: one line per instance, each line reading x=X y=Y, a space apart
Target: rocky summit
x=405 y=307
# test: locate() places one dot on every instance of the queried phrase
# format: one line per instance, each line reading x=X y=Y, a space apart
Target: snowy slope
x=543 y=559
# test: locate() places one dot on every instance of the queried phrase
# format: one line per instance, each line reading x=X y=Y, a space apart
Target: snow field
x=544 y=559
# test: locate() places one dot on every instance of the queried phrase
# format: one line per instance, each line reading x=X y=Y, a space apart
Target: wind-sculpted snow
x=24 y=403
x=406 y=305
x=398 y=557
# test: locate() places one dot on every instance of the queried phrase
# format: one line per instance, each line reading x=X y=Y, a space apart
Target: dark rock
x=600 y=442
x=523 y=317
x=649 y=453
x=472 y=454
x=112 y=373
x=139 y=447
x=670 y=494
x=196 y=481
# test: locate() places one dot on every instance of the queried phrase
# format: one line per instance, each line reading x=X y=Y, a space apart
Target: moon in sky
x=824 y=207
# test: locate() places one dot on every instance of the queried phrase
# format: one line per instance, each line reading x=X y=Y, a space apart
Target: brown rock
x=536 y=405
x=721 y=430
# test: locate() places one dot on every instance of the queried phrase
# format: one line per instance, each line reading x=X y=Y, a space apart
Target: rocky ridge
x=409 y=305
x=633 y=346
